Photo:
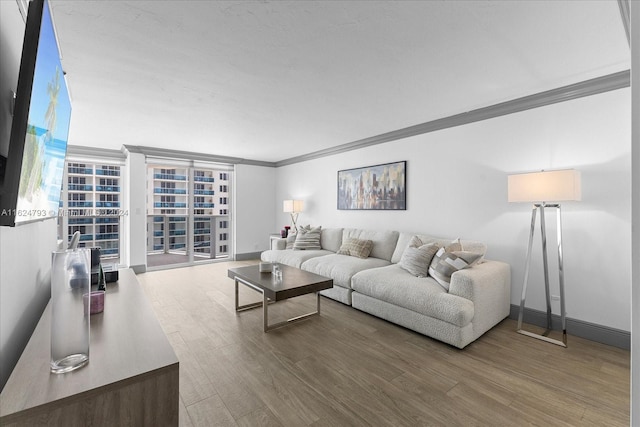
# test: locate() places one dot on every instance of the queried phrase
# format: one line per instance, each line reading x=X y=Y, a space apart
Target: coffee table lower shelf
x=265 y=307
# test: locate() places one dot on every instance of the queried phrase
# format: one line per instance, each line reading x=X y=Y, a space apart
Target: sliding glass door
x=188 y=218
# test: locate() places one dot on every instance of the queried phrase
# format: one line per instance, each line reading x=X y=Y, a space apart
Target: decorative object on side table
x=380 y=187
x=541 y=188
x=293 y=207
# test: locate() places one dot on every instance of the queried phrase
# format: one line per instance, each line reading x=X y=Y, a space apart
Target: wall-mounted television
x=31 y=178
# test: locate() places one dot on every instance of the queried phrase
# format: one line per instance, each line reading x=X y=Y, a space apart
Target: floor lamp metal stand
x=544 y=336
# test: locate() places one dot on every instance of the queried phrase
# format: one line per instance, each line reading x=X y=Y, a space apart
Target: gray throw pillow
x=291 y=239
x=417 y=257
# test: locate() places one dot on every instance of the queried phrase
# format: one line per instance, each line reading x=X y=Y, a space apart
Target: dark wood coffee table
x=294 y=282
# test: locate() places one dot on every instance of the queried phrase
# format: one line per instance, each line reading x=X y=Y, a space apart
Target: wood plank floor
x=347 y=368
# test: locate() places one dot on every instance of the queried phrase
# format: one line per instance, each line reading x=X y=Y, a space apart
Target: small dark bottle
x=102 y=283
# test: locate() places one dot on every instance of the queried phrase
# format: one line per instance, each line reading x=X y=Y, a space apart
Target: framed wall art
x=379 y=187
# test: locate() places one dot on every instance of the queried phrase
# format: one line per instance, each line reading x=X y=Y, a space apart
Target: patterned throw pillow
x=448 y=260
x=417 y=257
x=308 y=238
x=356 y=247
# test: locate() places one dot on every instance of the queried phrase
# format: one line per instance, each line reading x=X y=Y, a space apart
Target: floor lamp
x=293 y=207
x=542 y=188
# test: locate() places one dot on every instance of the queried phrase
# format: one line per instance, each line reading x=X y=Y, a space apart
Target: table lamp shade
x=545 y=186
x=292 y=206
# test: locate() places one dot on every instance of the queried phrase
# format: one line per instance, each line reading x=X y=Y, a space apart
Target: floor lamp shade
x=545 y=186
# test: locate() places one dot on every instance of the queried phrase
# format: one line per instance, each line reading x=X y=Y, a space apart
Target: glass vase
x=70 y=290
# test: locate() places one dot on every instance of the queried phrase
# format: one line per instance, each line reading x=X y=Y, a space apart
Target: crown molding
x=590 y=87
x=94 y=152
x=190 y=155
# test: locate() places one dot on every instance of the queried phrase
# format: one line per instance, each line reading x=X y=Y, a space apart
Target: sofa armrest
x=488 y=286
x=278 y=244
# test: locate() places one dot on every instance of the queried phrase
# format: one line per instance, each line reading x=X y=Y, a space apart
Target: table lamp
x=293 y=207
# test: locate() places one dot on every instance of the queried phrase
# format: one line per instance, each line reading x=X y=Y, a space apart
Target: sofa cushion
x=356 y=247
x=331 y=239
x=395 y=285
x=308 y=238
x=417 y=257
x=384 y=242
x=291 y=257
x=404 y=238
x=341 y=268
x=448 y=261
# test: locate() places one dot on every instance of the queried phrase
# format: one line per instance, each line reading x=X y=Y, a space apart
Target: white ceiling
x=272 y=80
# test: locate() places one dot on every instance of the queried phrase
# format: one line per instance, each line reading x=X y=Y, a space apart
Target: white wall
x=25 y=269
x=135 y=222
x=457 y=187
x=254 y=207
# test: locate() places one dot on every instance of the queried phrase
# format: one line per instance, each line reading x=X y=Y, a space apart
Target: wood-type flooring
x=348 y=368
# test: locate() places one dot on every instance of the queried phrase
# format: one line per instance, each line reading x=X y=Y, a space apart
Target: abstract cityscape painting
x=380 y=187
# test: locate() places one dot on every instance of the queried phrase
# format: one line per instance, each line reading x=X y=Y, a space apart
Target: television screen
x=40 y=126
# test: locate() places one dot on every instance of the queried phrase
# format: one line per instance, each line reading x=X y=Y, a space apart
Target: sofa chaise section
x=478 y=297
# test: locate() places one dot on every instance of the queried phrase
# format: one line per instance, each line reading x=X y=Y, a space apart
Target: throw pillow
x=291 y=239
x=308 y=238
x=417 y=257
x=446 y=262
x=356 y=247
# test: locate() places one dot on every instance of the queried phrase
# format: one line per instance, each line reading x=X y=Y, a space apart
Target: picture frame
x=378 y=187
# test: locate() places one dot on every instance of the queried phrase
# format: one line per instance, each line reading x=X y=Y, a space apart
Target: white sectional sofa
x=477 y=299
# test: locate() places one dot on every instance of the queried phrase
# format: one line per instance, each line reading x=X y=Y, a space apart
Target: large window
x=91 y=205
x=186 y=219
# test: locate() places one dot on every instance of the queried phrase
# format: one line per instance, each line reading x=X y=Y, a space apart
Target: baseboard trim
x=138 y=269
x=579 y=328
x=248 y=256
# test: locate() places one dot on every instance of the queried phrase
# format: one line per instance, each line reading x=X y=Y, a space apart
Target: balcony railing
x=80 y=204
x=169 y=205
x=80 y=171
x=108 y=188
x=80 y=187
x=204 y=192
x=75 y=221
x=102 y=204
x=158 y=190
x=107 y=172
x=170 y=176
x=204 y=178
x=107 y=220
x=107 y=236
